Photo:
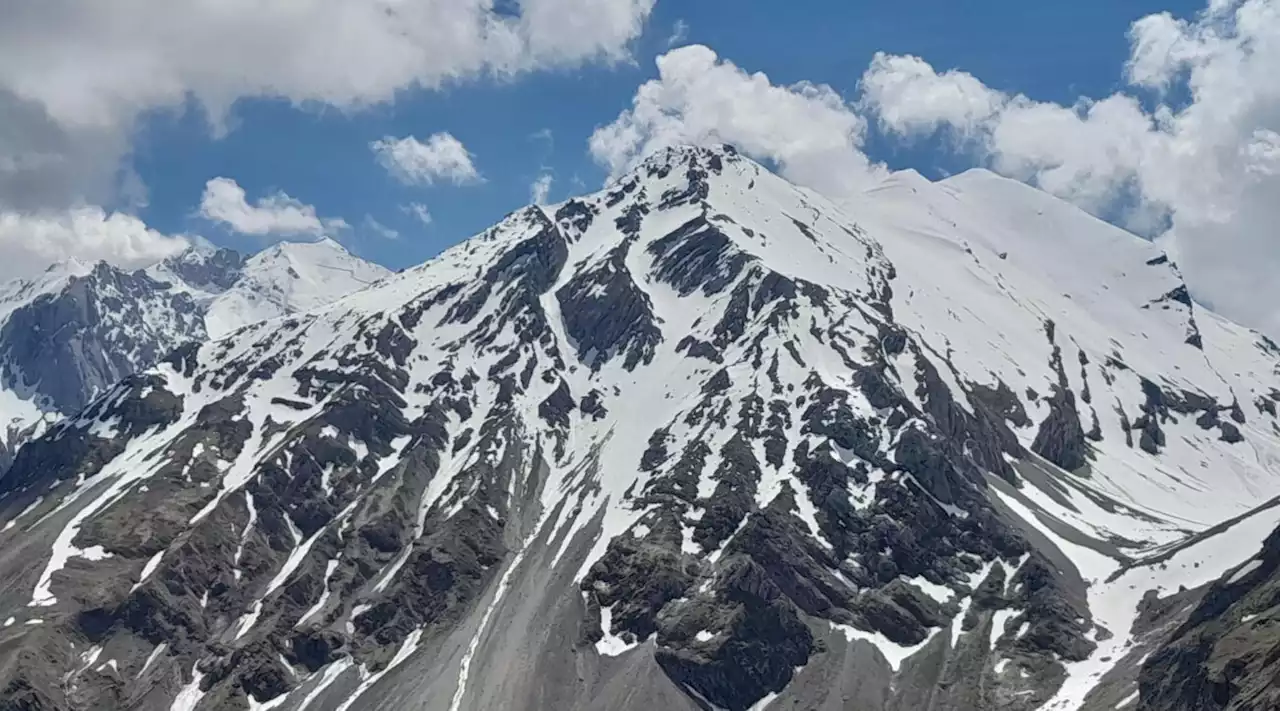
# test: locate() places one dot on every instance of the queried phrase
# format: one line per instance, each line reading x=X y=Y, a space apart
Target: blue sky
x=519 y=128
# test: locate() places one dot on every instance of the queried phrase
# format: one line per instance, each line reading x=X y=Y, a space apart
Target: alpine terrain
x=78 y=328
x=702 y=440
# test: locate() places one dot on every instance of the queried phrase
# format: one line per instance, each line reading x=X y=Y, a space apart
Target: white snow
x=293 y=529
x=152 y=563
x=610 y=645
x=893 y=653
x=331 y=566
x=1244 y=571
x=998 y=621
x=941 y=593
x=189 y=695
x=151 y=658
x=407 y=648
x=248 y=620
x=290 y=277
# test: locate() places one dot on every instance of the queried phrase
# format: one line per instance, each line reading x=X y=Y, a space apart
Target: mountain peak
x=759 y=444
x=70 y=266
x=706 y=157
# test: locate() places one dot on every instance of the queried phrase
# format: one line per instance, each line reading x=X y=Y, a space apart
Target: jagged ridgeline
x=701 y=440
x=76 y=329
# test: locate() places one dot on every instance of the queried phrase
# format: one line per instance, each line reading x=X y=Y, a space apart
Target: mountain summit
x=700 y=440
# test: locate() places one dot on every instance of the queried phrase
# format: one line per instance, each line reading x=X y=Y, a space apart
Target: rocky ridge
x=700 y=440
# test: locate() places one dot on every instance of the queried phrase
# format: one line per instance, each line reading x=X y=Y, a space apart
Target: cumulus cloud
x=1084 y=153
x=413 y=162
x=540 y=189
x=76 y=75
x=81 y=72
x=1190 y=152
x=807 y=130
x=31 y=242
x=225 y=202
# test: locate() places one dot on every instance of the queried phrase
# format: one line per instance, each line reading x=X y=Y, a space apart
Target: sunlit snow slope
x=700 y=440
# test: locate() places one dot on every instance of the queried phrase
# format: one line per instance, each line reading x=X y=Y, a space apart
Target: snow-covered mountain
x=78 y=328
x=286 y=278
x=701 y=440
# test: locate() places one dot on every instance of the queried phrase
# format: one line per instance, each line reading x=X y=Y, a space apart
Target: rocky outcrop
x=101 y=328
x=1224 y=655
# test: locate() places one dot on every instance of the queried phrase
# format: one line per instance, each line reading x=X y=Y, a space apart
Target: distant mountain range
x=79 y=328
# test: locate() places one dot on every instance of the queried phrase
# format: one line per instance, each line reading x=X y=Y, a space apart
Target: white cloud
x=76 y=76
x=224 y=201
x=418 y=211
x=811 y=133
x=413 y=162
x=1204 y=162
x=679 y=33
x=545 y=136
x=568 y=31
x=913 y=98
x=81 y=72
x=540 y=189
x=31 y=242
x=380 y=229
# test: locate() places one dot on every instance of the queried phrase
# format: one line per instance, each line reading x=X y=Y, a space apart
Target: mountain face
x=701 y=440
x=77 y=329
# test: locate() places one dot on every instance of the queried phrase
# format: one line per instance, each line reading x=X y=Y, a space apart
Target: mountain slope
x=700 y=440
x=77 y=328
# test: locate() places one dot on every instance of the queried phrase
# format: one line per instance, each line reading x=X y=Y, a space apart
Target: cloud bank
x=225 y=202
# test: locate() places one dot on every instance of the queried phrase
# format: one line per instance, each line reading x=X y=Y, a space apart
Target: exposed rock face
x=101 y=328
x=1224 y=654
x=698 y=441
